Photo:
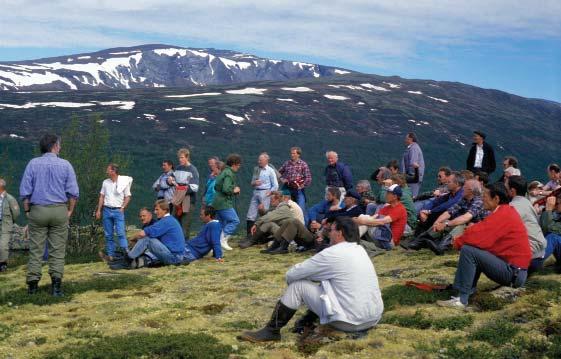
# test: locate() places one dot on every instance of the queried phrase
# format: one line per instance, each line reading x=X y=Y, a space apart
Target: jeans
x=420 y=205
x=474 y=261
x=229 y=220
x=553 y=247
x=157 y=248
x=188 y=256
x=372 y=207
x=299 y=196
x=114 y=221
x=259 y=197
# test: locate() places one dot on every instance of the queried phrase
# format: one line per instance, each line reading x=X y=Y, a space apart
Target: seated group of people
x=161 y=240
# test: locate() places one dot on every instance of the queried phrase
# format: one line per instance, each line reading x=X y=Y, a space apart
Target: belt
x=261 y=189
x=112 y=207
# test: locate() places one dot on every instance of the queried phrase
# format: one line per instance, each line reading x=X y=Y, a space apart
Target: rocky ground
x=196 y=311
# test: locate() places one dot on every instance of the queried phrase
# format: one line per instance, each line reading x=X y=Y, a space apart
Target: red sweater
x=503 y=234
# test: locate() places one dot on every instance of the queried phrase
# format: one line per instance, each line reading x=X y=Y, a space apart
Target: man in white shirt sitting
x=339 y=285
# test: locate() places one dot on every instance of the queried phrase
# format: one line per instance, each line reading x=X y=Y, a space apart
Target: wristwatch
x=446 y=223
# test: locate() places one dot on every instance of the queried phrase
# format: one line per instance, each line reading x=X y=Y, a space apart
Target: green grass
x=149 y=345
x=173 y=312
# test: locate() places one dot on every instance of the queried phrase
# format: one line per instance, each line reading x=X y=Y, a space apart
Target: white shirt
x=349 y=280
x=115 y=192
x=478 y=156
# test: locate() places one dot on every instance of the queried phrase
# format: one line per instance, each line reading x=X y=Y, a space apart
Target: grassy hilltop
x=196 y=311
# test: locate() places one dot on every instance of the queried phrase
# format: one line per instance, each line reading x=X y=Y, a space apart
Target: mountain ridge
x=152 y=65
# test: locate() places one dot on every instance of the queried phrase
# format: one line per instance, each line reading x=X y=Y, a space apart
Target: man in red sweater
x=497 y=246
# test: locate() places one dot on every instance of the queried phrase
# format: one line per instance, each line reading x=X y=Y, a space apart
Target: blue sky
x=511 y=46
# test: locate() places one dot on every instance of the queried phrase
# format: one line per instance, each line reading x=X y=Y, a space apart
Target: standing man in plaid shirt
x=296 y=175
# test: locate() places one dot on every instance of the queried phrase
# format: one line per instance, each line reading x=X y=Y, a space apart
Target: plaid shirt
x=296 y=171
x=473 y=206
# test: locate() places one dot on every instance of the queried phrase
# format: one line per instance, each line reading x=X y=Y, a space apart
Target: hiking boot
x=307 y=321
x=453 y=302
x=32 y=287
x=224 y=242
x=434 y=246
x=416 y=243
x=56 y=287
x=271 y=332
x=247 y=242
x=276 y=244
x=281 y=249
x=3 y=267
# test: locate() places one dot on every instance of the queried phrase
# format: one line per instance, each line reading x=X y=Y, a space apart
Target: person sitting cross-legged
x=207 y=240
x=388 y=224
x=164 y=239
x=339 y=285
x=497 y=247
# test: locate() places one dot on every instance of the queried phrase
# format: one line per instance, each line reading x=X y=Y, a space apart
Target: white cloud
x=372 y=32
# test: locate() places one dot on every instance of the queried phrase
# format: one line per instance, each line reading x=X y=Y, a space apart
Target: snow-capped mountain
x=149 y=66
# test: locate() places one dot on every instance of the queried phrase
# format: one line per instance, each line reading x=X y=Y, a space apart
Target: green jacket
x=407 y=201
x=548 y=224
x=278 y=215
x=224 y=187
x=10 y=212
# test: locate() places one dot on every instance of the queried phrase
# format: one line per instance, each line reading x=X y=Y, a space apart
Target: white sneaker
x=224 y=242
x=453 y=302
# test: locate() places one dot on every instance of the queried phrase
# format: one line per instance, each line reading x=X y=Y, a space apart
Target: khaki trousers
x=47 y=224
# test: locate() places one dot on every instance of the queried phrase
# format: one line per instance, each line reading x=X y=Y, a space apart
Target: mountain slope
x=150 y=66
x=362 y=117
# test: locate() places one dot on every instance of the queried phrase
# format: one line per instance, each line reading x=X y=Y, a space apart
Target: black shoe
x=416 y=243
x=281 y=316
x=308 y=320
x=3 y=267
x=276 y=244
x=282 y=248
x=32 y=287
x=434 y=246
x=56 y=287
x=247 y=242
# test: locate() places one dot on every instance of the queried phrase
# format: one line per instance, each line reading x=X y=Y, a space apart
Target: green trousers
x=5 y=234
x=47 y=224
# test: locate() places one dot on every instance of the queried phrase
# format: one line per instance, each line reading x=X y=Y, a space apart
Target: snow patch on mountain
x=286 y=100
x=415 y=92
x=336 y=97
x=247 y=91
x=178 y=109
x=202 y=119
x=341 y=72
x=297 y=89
x=438 y=99
x=374 y=87
x=392 y=85
x=236 y=120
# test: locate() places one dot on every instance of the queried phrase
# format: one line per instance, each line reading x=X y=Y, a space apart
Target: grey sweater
x=531 y=221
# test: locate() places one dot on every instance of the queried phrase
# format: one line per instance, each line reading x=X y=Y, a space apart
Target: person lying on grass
x=498 y=247
x=339 y=285
x=164 y=239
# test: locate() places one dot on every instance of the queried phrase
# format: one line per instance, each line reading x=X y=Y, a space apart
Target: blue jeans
x=372 y=207
x=474 y=261
x=157 y=248
x=553 y=247
x=425 y=204
x=114 y=221
x=188 y=256
x=299 y=196
x=229 y=220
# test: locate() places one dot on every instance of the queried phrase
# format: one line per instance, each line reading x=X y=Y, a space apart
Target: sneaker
x=453 y=302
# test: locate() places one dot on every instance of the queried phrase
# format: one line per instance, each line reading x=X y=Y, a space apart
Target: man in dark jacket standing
x=481 y=156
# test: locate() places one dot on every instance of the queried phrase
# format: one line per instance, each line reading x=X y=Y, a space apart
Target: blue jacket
x=210 y=191
x=208 y=239
x=339 y=176
x=169 y=232
x=442 y=203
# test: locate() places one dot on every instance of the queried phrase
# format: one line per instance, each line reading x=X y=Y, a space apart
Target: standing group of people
x=505 y=229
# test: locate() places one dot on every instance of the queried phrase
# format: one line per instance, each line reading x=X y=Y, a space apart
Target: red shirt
x=398 y=214
x=503 y=234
